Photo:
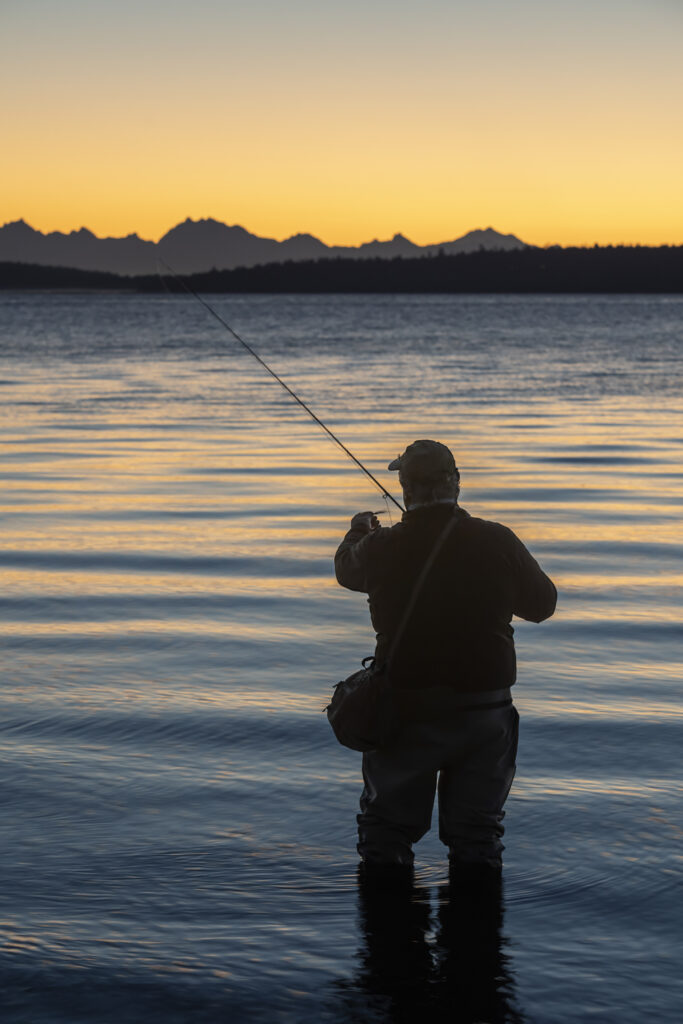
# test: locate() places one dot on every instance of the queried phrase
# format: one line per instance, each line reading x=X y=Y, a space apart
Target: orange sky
x=559 y=122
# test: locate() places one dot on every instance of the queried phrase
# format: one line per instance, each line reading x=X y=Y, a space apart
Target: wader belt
x=445 y=698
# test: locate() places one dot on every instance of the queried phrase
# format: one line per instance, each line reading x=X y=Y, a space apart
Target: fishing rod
x=280 y=381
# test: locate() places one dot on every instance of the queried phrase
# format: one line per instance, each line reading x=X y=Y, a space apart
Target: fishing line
x=386 y=502
x=280 y=381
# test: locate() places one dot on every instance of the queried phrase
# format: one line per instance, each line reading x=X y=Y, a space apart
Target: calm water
x=178 y=826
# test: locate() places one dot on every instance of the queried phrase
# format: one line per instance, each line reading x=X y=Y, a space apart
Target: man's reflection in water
x=407 y=973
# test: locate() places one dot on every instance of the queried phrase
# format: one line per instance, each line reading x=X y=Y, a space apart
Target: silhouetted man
x=451 y=663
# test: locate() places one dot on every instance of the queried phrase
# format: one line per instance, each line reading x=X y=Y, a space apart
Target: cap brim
x=396 y=464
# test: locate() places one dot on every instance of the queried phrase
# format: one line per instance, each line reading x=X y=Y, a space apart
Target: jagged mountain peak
x=204 y=226
x=303 y=236
x=485 y=232
x=19 y=227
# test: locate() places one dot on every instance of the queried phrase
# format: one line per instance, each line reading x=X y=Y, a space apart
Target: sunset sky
x=559 y=121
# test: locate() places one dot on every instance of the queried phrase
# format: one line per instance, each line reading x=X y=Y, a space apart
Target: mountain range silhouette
x=197 y=246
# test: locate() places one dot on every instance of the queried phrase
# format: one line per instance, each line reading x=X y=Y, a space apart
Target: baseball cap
x=424 y=460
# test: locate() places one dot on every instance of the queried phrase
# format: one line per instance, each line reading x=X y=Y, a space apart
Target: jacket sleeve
x=352 y=560
x=535 y=593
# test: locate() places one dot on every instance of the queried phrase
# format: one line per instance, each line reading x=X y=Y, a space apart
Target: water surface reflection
x=179 y=817
x=417 y=963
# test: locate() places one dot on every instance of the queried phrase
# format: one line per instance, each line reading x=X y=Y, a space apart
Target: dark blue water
x=178 y=828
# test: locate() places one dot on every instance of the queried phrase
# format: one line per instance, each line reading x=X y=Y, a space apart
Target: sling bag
x=363 y=711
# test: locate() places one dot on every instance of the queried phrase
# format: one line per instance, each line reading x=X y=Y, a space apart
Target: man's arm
x=536 y=596
x=351 y=559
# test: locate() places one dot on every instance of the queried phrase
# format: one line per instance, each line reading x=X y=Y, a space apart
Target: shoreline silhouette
x=599 y=269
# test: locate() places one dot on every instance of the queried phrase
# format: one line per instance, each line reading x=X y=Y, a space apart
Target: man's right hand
x=366 y=521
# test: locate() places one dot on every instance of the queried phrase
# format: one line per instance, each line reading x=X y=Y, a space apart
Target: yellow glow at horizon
x=433 y=155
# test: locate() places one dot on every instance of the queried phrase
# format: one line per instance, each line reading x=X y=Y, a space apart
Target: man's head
x=427 y=473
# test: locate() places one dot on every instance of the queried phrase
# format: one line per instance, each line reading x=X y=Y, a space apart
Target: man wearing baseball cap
x=442 y=587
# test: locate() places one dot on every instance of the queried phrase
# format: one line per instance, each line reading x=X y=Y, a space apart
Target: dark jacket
x=458 y=633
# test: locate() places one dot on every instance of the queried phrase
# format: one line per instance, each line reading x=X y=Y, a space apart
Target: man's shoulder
x=386 y=536
x=488 y=529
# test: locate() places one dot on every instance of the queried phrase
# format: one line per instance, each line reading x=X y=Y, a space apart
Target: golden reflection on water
x=262 y=632
x=620 y=708
x=56 y=582
x=544 y=786
x=218 y=472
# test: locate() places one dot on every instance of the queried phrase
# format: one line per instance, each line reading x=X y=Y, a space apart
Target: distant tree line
x=36 y=277
x=616 y=269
